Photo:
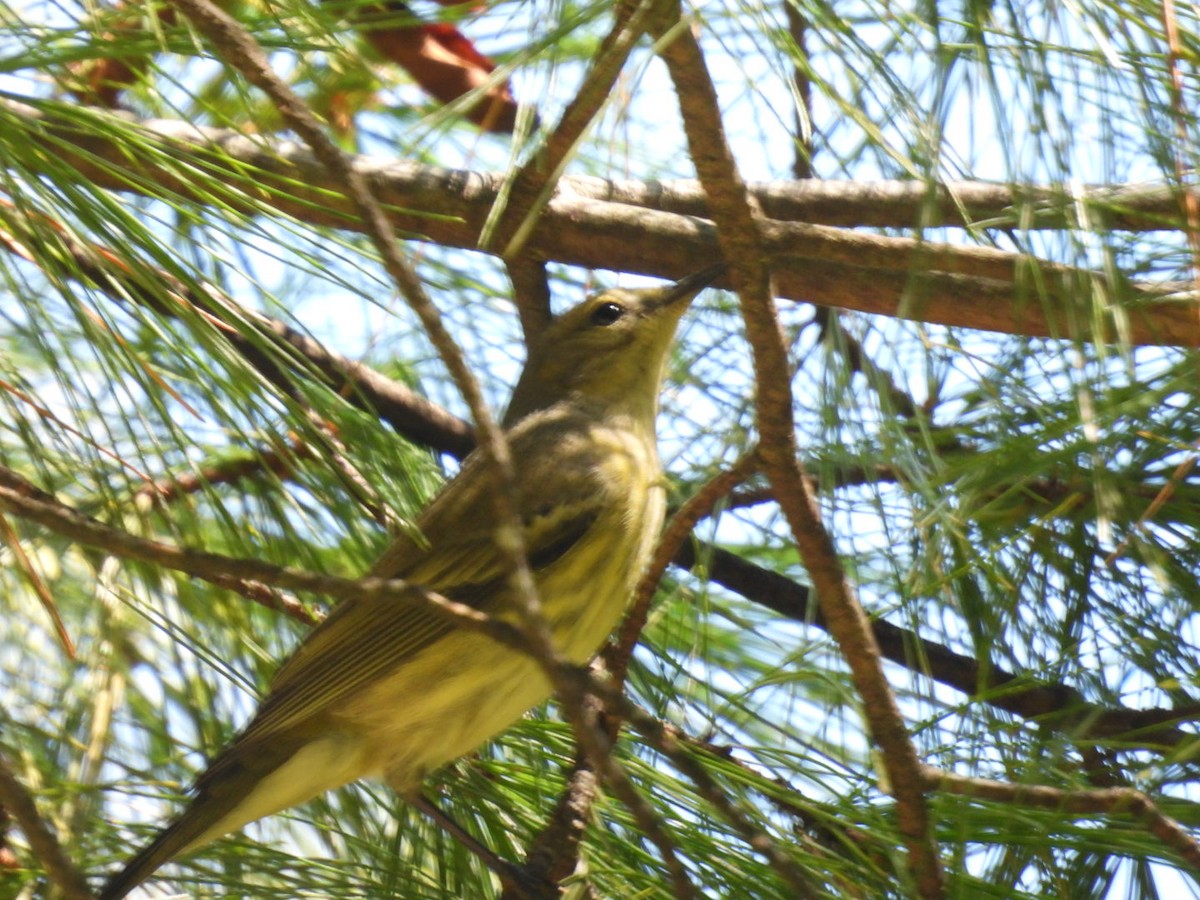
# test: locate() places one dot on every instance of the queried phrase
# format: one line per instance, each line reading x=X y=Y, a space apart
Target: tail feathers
x=251 y=779
x=170 y=842
x=219 y=807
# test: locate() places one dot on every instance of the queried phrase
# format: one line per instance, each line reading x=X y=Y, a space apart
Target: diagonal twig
x=239 y=47
x=514 y=217
x=45 y=846
x=9 y=536
x=676 y=533
x=555 y=850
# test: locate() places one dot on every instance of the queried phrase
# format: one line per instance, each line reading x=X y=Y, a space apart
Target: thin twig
x=802 y=164
x=277 y=462
x=1109 y=801
x=679 y=529
x=514 y=218
x=878 y=379
x=9 y=536
x=357 y=485
x=1157 y=503
x=21 y=806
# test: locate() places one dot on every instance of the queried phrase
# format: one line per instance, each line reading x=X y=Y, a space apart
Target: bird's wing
x=364 y=639
x=455 y=541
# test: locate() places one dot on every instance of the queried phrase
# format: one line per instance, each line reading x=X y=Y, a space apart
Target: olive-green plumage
x=391 y=689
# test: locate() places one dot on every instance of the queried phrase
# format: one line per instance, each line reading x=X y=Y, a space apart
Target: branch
x=37 y=584
x=531 y=295
x=1109 y=801
x=554 y=853
x=43 y=843
x=809 y=263
x=1058 y=706
x=847 y=204
x=905 y=204
x=24 y=499
x=516 y=214
x=395 y=403
x=575 y=688
x=670 y=543
x=858 y=360
x=739 y=225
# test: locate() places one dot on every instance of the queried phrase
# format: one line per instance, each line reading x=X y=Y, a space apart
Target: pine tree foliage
x=981 y=229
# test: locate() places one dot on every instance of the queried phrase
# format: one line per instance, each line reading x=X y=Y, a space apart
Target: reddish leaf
x=444 y=62
x=101 y=80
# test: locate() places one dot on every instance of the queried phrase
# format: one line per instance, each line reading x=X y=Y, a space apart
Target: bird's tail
x=177 y=837
x=251 y=779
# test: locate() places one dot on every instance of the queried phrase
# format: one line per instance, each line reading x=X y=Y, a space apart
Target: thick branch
x=1059 y=706
x=808 y=263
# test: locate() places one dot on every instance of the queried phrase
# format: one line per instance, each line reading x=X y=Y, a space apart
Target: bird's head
x=609 y=351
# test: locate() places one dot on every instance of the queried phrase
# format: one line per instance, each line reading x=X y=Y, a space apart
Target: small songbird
x=390 y=688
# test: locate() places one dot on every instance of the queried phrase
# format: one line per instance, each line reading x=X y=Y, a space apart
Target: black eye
x=607 y=313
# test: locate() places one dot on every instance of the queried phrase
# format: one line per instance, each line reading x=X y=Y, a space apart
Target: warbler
x=390 y=688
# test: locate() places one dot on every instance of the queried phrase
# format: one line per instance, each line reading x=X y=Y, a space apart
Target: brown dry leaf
x=444 y=62
x=100 y=81
x=440 y=58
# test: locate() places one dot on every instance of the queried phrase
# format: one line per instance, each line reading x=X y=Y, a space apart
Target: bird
x=387 y=687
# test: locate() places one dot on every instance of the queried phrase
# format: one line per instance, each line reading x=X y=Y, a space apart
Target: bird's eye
x=607 y=313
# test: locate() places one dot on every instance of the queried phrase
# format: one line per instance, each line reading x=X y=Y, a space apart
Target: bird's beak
x=692 y=285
